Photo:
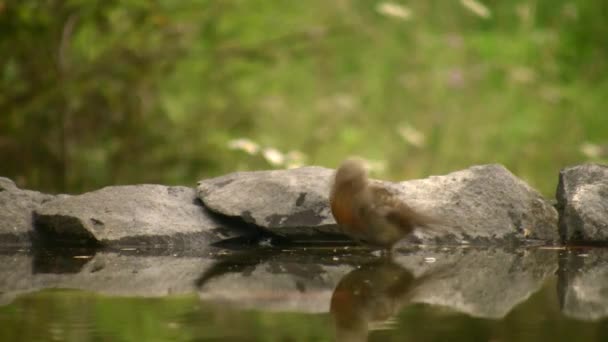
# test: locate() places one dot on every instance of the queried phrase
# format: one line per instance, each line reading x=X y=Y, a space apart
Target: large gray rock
x=16 y=213
x=582 y=196
x=482 y=204
x=287 y=202
x=583 y=283
x=132 y=215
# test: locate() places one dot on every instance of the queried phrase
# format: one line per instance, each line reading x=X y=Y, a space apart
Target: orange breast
x=342 y=209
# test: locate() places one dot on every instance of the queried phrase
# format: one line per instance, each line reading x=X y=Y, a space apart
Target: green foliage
x=94 y=93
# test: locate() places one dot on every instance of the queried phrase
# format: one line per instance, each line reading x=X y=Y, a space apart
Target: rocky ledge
x=484 y=205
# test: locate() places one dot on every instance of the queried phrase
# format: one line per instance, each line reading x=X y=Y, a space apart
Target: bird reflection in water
x=370 y=296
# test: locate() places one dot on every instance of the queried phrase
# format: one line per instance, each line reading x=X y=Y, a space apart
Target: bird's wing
x=397 y=211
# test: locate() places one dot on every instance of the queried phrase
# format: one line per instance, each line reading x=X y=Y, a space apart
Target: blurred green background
x=100 y=92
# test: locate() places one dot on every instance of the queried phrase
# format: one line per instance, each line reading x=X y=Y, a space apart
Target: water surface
x=305 y=294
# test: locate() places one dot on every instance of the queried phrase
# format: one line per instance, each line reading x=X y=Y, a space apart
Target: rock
x=583 y=283
x=480 y=205
x=582 y=200
x=16 y=213
x=287 y=202
x=132 y=215
x=483 y=204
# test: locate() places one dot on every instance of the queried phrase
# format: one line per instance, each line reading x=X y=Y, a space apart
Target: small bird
x=370 y=213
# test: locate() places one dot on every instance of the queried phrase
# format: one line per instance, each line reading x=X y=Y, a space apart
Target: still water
x=305 y=294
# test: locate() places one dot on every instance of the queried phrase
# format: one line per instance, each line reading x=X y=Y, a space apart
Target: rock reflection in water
x=114 y=273
x=296 y=281
x=485 y=283
x=583 y=283
x=481 y=282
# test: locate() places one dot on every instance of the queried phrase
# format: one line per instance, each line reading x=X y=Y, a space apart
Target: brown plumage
x=368 y=212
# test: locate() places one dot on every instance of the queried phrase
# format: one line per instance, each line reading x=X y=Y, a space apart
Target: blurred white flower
x=243 y=144
x=477 y=8
x=411 y=135
x=273 y=156
x=391 y=9
x=570 y=10
x=524 y=12
x=456 y=78
x=550 y=94
x=591 y=150
x=454 y=40
x=345 y=102
x=273 y=104
x=294 y=159
x=522 y=74
x=341 y=102
x=376 y=166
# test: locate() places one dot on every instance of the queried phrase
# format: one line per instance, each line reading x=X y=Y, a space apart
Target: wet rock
x=132 y=215
x=16 y=208
x=287 y=202
x=583 y=283
x=582 y=196
x=483 y=204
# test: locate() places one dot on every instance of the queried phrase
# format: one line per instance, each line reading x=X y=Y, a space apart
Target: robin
x=368 y=212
